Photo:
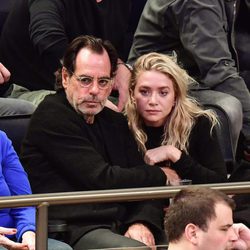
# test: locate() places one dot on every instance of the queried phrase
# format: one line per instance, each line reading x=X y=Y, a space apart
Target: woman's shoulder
x=203 y=123
x=4 y=142
x=3 y=137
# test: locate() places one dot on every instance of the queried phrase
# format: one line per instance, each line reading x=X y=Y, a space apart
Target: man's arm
x=47 y=31
x=121 y=83
x=203 y=32
x=62 y=136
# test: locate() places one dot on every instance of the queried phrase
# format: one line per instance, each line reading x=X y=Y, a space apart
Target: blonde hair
x=182 y=118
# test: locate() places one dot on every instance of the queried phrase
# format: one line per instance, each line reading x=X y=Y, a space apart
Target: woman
x=17 y=224
x=169 y=126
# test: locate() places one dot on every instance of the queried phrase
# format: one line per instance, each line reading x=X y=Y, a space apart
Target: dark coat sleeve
x=47 y=30
x=205 y=163
x=203 y=24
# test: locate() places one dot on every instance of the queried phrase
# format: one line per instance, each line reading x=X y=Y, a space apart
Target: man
x=75 y=143
x=37 y=32
x=201 y=219
x=202 y=35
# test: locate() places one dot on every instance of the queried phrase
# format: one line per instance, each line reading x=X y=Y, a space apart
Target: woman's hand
x=9 y=244
x=162 y=153
x=29 y=238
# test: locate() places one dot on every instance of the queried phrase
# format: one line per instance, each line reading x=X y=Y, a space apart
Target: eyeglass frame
x=80 y=78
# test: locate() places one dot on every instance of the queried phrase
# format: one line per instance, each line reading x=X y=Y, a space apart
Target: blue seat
x=15 y=127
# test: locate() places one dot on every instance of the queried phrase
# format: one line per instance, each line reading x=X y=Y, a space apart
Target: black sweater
x=204 y=163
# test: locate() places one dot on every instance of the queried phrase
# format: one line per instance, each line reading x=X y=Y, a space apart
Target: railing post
x=42 y=226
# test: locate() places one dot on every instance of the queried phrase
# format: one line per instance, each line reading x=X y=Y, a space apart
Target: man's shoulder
x=53 y=100
x=53 y=106
x=113 y=116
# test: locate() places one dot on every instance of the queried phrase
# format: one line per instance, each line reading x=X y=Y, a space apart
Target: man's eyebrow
x=83 y=75
x=101 y=77
x=226 y=226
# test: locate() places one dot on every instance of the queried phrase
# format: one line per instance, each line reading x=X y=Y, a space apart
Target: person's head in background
x=158 y=96
x=200 y=219
x=88 y=68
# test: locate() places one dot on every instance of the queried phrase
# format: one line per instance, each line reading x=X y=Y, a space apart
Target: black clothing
x=62 y=153
x=204 y=163
x=37 y=32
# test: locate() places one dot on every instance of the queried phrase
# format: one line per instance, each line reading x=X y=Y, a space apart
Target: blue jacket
x=14 y=181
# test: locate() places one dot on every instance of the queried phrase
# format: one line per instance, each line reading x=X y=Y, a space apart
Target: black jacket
x=62 y=153
x=37 y=32
x=200 y=32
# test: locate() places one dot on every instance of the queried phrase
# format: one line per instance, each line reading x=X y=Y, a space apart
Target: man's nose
x=94 y=89
x=233 y=235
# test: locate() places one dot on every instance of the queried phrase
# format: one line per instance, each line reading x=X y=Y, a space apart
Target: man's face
x=89 y=87
x=220 y=234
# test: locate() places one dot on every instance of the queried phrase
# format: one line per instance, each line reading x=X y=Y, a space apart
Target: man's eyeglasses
x=87 y=81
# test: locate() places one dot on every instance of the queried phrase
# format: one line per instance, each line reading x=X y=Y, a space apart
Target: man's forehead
x=223 y=215
x=88 y=60
x=88 y=52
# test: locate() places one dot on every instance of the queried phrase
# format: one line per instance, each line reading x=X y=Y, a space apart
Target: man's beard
x=88 y=115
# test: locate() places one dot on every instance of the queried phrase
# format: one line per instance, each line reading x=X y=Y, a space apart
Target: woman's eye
x=144 y=92
x=163 y=93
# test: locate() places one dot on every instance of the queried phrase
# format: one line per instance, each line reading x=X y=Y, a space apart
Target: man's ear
x=65 y=77
x=192 y=233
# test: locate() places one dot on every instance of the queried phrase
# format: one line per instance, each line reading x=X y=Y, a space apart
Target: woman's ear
x=131 y=94
x=174 y=103
x=192 y=233
x=65 y=77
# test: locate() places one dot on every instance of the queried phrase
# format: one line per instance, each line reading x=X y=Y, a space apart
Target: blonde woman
x=169 y=126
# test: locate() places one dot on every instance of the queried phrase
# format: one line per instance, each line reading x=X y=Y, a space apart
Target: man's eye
x=103 y=82
x=85 y=80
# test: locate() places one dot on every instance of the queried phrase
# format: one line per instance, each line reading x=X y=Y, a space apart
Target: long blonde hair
x=182 y=118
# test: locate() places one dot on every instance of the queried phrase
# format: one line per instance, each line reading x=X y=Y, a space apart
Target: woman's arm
x=18 y=184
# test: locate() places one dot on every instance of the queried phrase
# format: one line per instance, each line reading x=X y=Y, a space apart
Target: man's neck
x=179 y=246
x=89 y=119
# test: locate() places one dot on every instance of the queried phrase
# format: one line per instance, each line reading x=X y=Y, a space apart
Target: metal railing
x=42 y=201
